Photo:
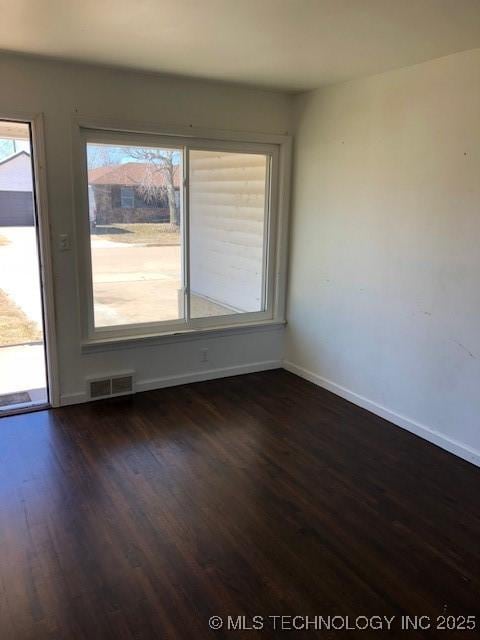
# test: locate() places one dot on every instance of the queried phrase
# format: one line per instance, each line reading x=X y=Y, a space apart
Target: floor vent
x=118 y=385
x=122 y=384
x=100 y=388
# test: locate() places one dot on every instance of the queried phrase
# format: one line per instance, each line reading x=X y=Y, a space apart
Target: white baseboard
x=67 y=399
x=208 y=374
x=183 y=378
x=427 y=433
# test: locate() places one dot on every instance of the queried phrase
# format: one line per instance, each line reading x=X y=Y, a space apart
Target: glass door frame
x=42 y=232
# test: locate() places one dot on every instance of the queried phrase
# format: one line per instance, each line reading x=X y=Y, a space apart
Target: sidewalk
x=22 y=367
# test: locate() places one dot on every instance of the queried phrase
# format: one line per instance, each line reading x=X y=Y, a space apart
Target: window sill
x=96 y=345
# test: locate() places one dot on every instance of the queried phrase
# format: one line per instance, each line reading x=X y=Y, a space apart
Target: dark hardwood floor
x=260 y=495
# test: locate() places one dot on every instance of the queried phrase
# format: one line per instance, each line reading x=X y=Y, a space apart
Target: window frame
x=277 y=148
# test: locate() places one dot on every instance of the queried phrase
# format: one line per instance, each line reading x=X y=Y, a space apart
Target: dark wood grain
x=139 y=518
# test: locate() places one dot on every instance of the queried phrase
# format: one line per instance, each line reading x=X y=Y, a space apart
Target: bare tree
x=158 y=161
x=7 y=147
x=100 y=155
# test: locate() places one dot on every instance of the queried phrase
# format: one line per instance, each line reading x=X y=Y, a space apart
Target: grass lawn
x=15 y=327
x=153 y=234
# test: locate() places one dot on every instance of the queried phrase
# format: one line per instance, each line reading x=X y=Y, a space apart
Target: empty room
x=239 y=319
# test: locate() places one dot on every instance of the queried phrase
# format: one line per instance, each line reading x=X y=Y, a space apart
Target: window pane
x=127 y=197
x=135 y=219
x=227 y=232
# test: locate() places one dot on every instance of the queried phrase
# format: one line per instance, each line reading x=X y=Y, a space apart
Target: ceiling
x=285 y=44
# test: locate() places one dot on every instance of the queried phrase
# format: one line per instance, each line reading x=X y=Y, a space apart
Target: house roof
x=131 y=174
x=14 y=155
x=16 y=172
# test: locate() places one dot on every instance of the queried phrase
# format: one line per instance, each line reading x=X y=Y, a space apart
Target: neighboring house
x=227 y=219
x=117 y=194
x=16 y=191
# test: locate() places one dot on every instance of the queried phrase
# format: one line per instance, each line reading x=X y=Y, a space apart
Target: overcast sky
x=7 y=147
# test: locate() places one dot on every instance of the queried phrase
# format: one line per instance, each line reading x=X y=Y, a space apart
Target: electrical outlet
x=64 y=242
x=204 y=355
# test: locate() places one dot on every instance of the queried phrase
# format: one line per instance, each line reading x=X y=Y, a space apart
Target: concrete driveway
x=138 y=283
x=132 y=283
x=19 y=276
x=135 y=283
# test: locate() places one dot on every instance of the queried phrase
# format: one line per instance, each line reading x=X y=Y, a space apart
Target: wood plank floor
x=259 y=495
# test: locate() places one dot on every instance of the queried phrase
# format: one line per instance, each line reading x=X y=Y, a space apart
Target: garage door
x=16 y=209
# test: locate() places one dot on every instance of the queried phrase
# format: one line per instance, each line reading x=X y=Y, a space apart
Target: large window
x=181 y=233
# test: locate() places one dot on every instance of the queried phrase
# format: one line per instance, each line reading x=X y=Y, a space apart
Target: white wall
x=16 y=174
x=227 y=216
x=384 y=285
x=61 y=91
